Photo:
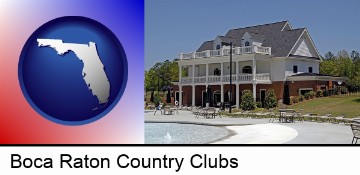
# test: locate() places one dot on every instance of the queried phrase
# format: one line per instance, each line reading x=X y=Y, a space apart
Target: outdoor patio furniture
x=311 y=116
x=274 y=116
x=168 y=110
x=348 y=121
x=287 y=115
x=325 y=118
x=337 y=119
x=355 y=127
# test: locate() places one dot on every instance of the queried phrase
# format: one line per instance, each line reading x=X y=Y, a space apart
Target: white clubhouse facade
x=263 y=57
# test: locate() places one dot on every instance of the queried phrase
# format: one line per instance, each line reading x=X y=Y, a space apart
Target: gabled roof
x=226 y=39
x=207 y=45
x=257 y=37
x=274 y=35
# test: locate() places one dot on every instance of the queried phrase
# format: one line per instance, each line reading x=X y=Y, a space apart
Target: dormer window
x=218 y=47
x=247 y=43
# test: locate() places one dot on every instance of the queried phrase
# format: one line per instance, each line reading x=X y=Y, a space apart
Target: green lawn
x=348 y=105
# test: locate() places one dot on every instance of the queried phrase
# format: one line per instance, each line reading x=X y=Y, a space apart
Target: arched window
x=217 y=47
x=247 y=43
x=247 y=70
x=217 y=72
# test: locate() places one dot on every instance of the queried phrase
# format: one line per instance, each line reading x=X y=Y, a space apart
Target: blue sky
x=174 y=26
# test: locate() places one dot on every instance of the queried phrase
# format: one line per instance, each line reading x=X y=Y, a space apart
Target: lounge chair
x=355 y=127
x=324 y=118
x=337 y=119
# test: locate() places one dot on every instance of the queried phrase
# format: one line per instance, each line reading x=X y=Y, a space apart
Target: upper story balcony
x=226 y=52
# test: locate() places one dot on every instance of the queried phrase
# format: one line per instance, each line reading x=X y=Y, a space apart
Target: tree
x=355 y=55
x=270 y=100
x=329 y=56
x=343 y=54
x=247 y=101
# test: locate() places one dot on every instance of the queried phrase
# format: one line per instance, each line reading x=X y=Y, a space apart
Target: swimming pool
x=174 y=133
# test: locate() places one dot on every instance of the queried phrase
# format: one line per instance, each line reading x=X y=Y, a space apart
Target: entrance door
x=217 y=98
x=262 y=96
x=203 y=98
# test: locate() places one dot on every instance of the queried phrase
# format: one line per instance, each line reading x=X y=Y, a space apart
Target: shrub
x=301 y=98
x=259 y=104
x=247 y=101
x=319 y=93
x=312 y=94
x=326 y=93
x=307 y=95
x=157 y=99
x=291 y=100
x=295 y=99
x=270 y=100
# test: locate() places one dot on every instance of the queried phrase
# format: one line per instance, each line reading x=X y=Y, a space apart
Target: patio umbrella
x=286 y=95
x=168 y=97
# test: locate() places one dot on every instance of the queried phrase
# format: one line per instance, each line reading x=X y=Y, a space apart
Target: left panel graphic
x=66 y=76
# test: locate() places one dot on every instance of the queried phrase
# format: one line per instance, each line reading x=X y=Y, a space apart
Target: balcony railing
x=264 y=76
x=215 y=78
x=226 y=52
x=226 y=78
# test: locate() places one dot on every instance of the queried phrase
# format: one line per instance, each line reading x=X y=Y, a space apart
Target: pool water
x=174 y=133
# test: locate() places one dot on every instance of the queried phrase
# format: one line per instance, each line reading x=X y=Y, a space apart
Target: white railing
x=215 y=53
x=199 y=79
x=245 y=77
x=185 y=80
x=214 y=78
x=226 y=52
x=226 y=78
x=200 y=54
x=264 y=76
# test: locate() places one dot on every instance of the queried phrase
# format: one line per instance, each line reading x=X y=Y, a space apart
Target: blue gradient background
x=19 y=123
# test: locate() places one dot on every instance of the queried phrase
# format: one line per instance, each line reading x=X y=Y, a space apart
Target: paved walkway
x=260 y=131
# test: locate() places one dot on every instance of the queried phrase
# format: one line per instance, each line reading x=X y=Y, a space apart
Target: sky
x=181 y=26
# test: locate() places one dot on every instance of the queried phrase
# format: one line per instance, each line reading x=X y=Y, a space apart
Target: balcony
x=226 y=52
x=226 y=78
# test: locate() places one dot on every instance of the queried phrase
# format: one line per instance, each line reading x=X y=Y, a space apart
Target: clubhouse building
x=268 y=56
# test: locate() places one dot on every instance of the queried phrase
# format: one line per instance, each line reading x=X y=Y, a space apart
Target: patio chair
x=337 y=119
x=274 y=116
x=348 y=121
x=311 y=117
x=355 y=127
x=324 y=118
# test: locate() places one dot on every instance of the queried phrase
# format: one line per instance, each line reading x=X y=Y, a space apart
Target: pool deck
x=260 y=131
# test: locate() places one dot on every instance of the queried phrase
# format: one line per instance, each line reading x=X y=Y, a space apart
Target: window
x=310 y=70
x=247 y=70
x=217 y=72
x=295 y=70
x=217 y=47
x=247 y=43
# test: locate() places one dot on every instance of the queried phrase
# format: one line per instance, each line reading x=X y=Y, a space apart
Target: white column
x=254 y=91
x=180 y=73
x=237 y=96
x=222 y=93
x=237 y=70
x=254 y=69
x=193 y=73
x=193 y=96
x=180 y=96
x=207 y=72
x=222 y=73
